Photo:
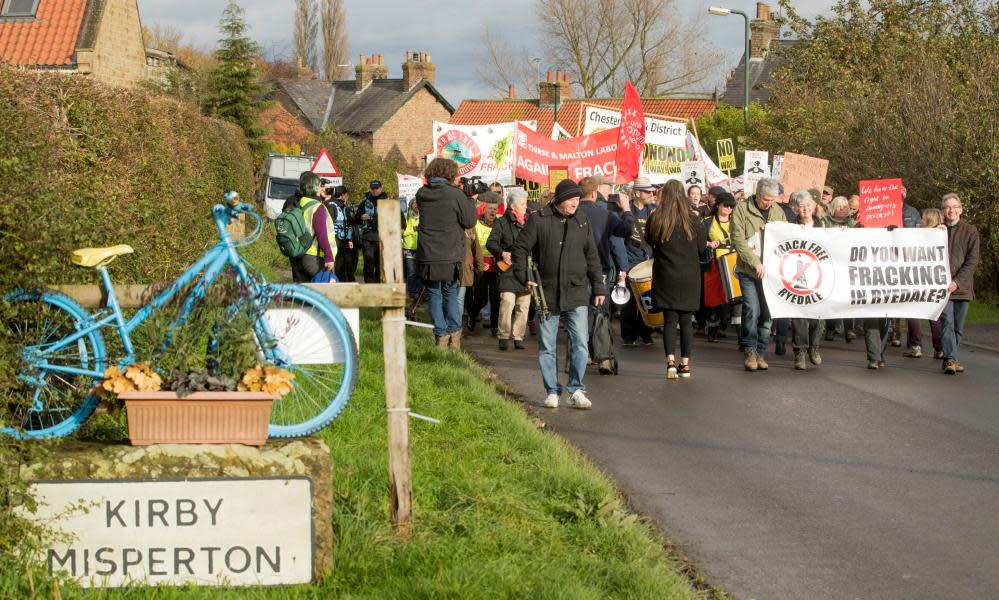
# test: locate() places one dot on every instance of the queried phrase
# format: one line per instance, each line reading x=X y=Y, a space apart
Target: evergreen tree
x=233 y=88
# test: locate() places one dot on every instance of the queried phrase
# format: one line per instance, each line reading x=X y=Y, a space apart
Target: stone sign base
x=92 y=463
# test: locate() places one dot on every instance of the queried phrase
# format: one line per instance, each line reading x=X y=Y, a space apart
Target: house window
x=19 y=8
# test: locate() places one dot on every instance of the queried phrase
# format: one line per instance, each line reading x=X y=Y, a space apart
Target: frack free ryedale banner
x=834 y=273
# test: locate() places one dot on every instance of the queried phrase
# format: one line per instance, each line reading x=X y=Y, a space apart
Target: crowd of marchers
x=523 y=267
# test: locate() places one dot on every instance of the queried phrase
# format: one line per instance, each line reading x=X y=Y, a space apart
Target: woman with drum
x=678 y=243
x=719 y=231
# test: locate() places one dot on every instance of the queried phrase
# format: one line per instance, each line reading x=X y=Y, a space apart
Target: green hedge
x=84 y=164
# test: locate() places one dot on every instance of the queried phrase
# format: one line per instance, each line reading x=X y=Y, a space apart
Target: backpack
x=294 y=236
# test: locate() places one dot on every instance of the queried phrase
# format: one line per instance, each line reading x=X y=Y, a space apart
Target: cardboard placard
x=802 y=172
x=726 y=154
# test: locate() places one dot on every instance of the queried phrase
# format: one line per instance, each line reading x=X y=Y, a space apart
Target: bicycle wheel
x=46 y=403
x=303 y=332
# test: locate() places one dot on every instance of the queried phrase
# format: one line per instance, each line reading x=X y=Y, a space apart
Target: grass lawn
x=502 y=509
x=983 y=310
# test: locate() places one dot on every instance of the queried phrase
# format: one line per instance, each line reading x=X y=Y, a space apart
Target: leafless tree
x=162 y=37
x=306 y=32
x=501 y=64
x=333 y=18
x=603 y=43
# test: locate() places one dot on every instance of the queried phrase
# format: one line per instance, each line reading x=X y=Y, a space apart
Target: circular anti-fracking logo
x=799 y=272
x=461 y=148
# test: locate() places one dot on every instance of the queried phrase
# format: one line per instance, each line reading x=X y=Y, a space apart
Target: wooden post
x=396 y=389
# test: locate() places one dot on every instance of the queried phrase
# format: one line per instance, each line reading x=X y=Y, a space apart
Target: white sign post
x=225 y=532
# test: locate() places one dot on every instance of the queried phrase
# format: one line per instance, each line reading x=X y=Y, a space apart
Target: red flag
x=631 y=136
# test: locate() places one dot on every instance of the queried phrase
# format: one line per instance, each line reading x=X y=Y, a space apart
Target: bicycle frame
x=204 y=270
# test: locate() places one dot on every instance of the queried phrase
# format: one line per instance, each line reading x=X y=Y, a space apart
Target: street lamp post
x=723 y=12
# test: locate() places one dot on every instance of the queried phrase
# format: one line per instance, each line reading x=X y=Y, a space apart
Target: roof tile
x=47 y=40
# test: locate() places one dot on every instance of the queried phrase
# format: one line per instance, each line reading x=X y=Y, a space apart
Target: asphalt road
x=836 y=482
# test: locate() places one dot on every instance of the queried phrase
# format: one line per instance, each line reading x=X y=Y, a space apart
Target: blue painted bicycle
x=64 y=355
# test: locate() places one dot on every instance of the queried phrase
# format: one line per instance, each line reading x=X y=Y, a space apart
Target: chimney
x=763 y=30
x=368 y=69
x=417 y=67
x=546 y=89
x=510 y=92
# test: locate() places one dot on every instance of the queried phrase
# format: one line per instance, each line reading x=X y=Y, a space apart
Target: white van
x=279 y=180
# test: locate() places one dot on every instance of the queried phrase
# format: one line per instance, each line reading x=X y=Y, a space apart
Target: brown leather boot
x=456 y=340
x=444 y=340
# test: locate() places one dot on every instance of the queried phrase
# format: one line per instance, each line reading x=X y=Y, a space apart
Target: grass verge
x=502 y=509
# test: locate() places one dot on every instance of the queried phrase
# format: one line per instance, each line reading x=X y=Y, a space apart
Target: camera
x=614 y=198
x=473 y=185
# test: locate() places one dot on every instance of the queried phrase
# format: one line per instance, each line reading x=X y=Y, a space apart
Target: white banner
x=665 y=142
x=408 y=186
x=658 y=132
x=835 y=273
x=483 y=150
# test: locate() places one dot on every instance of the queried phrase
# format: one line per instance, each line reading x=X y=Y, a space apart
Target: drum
x=726 y=265
x=640 y=277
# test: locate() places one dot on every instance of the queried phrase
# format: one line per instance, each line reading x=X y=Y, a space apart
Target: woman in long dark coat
x=678 y=242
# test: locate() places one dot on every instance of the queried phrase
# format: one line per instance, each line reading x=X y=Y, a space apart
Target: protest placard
x=755 y=167
x=778 y=163
x=408 y=185
x=693 y=174
x=881 y=203
x=802 y=172
x=726 y=154
x=486 y=151
x=831 y=273
x=555 y=175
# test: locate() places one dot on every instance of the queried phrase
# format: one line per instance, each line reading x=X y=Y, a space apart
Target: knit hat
x=567 y=189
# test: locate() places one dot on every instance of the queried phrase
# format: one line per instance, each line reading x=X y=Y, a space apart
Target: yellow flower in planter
x=268 y=379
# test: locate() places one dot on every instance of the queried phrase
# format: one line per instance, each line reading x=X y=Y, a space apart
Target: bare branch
x=333 y=21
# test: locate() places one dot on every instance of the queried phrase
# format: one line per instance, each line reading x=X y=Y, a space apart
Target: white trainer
x=578 y=399
x=551 y=401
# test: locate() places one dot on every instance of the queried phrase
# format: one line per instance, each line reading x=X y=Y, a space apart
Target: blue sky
x=450 y=31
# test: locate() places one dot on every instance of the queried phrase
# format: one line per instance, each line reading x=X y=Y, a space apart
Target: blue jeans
x=754 y=332
x=445 y=310
x=577 y=327
x=413 y=281
x=952 y=325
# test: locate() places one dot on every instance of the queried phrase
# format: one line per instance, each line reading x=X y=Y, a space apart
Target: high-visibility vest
x=308 y=213
x=409 y=235
x=482 y=232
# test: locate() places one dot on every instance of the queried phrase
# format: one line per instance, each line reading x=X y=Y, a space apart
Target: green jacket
x=747 y=221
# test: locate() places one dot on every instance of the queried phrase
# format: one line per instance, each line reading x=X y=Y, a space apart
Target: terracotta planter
x=198 y=418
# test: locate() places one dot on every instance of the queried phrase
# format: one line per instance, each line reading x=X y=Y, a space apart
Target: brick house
x=569 y=110
x=98 y=38
x=765 y=48
x=394 y=116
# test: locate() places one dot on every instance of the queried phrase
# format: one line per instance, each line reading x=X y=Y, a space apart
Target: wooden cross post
x=394 y=350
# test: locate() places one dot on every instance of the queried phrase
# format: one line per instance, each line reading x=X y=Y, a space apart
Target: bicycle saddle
x=98 y=257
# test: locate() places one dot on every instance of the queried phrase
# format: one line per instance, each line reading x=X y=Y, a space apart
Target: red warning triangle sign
x=324 y=165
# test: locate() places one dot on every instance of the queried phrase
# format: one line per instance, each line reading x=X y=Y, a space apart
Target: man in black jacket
x=560 y=240
x=367 y=218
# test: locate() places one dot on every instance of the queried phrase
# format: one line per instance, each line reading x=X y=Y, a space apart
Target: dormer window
x=19 y=8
